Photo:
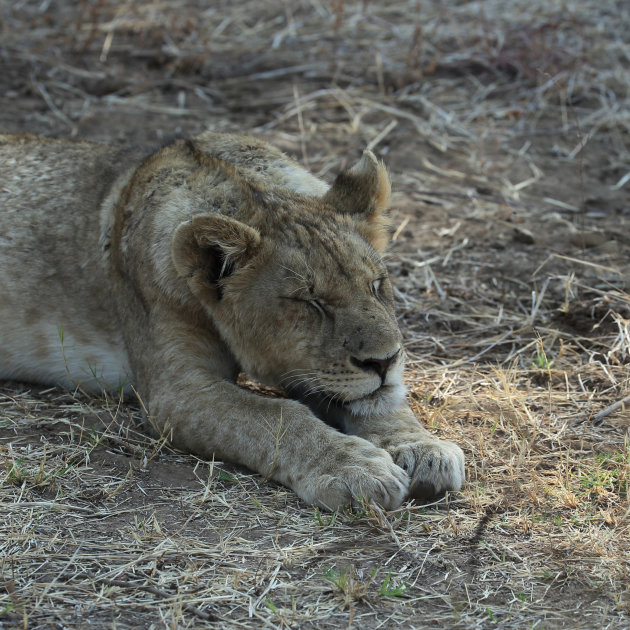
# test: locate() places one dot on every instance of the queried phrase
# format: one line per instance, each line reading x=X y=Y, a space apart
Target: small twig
x=296 y=98
x=46 y=504
x=51 y=105
x=578 y=261
x=600 y=415
x=149 y=589
x=382 y=134
x=400 y=228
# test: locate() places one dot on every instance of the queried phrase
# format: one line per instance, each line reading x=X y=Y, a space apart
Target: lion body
x=173 y=272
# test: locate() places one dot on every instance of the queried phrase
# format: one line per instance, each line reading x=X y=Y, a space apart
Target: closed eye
x=319 y=307
x=376 y=286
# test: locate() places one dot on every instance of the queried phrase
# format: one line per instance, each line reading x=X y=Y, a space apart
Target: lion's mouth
x=377 y=393
x=382 y=400
x=333 y=407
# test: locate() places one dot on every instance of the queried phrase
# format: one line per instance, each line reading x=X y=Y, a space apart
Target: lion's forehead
x=327 y=268
x=314 y=251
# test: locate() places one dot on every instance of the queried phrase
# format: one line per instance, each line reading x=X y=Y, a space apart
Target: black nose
x=380 y=366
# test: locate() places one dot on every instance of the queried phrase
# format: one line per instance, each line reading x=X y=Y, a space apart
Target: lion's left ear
x=364 y=191
x=207 y=249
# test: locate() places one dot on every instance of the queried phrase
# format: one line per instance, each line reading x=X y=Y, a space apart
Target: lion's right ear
x=207 y=248
x=363 y=192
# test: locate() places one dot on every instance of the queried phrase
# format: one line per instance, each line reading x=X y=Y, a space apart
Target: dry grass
x=507 y=134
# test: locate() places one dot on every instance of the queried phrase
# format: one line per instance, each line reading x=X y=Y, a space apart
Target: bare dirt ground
x=506 y=130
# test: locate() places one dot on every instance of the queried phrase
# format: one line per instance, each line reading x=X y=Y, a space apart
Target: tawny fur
x=216 y=255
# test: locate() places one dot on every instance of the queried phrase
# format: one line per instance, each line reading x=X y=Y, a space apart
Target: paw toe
x=434 y=467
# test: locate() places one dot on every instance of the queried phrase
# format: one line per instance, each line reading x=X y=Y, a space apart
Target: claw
x=421 y=490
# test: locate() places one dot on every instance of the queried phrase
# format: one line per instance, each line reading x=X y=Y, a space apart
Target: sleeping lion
x=172 y=273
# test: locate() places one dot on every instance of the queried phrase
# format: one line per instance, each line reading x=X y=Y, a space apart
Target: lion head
x=297 y=288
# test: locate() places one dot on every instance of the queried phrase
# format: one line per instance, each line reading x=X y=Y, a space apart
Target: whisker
x=302 y=370
x=298 y=276
x=306 y=383
x=297 y=378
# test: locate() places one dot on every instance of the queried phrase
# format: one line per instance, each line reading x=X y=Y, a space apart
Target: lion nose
x=380 y=366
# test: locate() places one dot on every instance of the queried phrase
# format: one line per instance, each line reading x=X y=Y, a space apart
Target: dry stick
x=577 y=261
x=296 y=97
x=382 y=134
x=611 y=408
x=51 y=105
x=46 y=504
x=502 y=201
x=149 y=589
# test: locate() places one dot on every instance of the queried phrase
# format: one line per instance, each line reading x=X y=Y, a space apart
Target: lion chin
x=385 y=399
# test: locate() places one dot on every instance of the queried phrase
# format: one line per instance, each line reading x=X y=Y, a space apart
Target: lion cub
x=176 y=271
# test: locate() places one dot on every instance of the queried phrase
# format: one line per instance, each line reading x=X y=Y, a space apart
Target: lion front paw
x=434 y=467
x=363 y=473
